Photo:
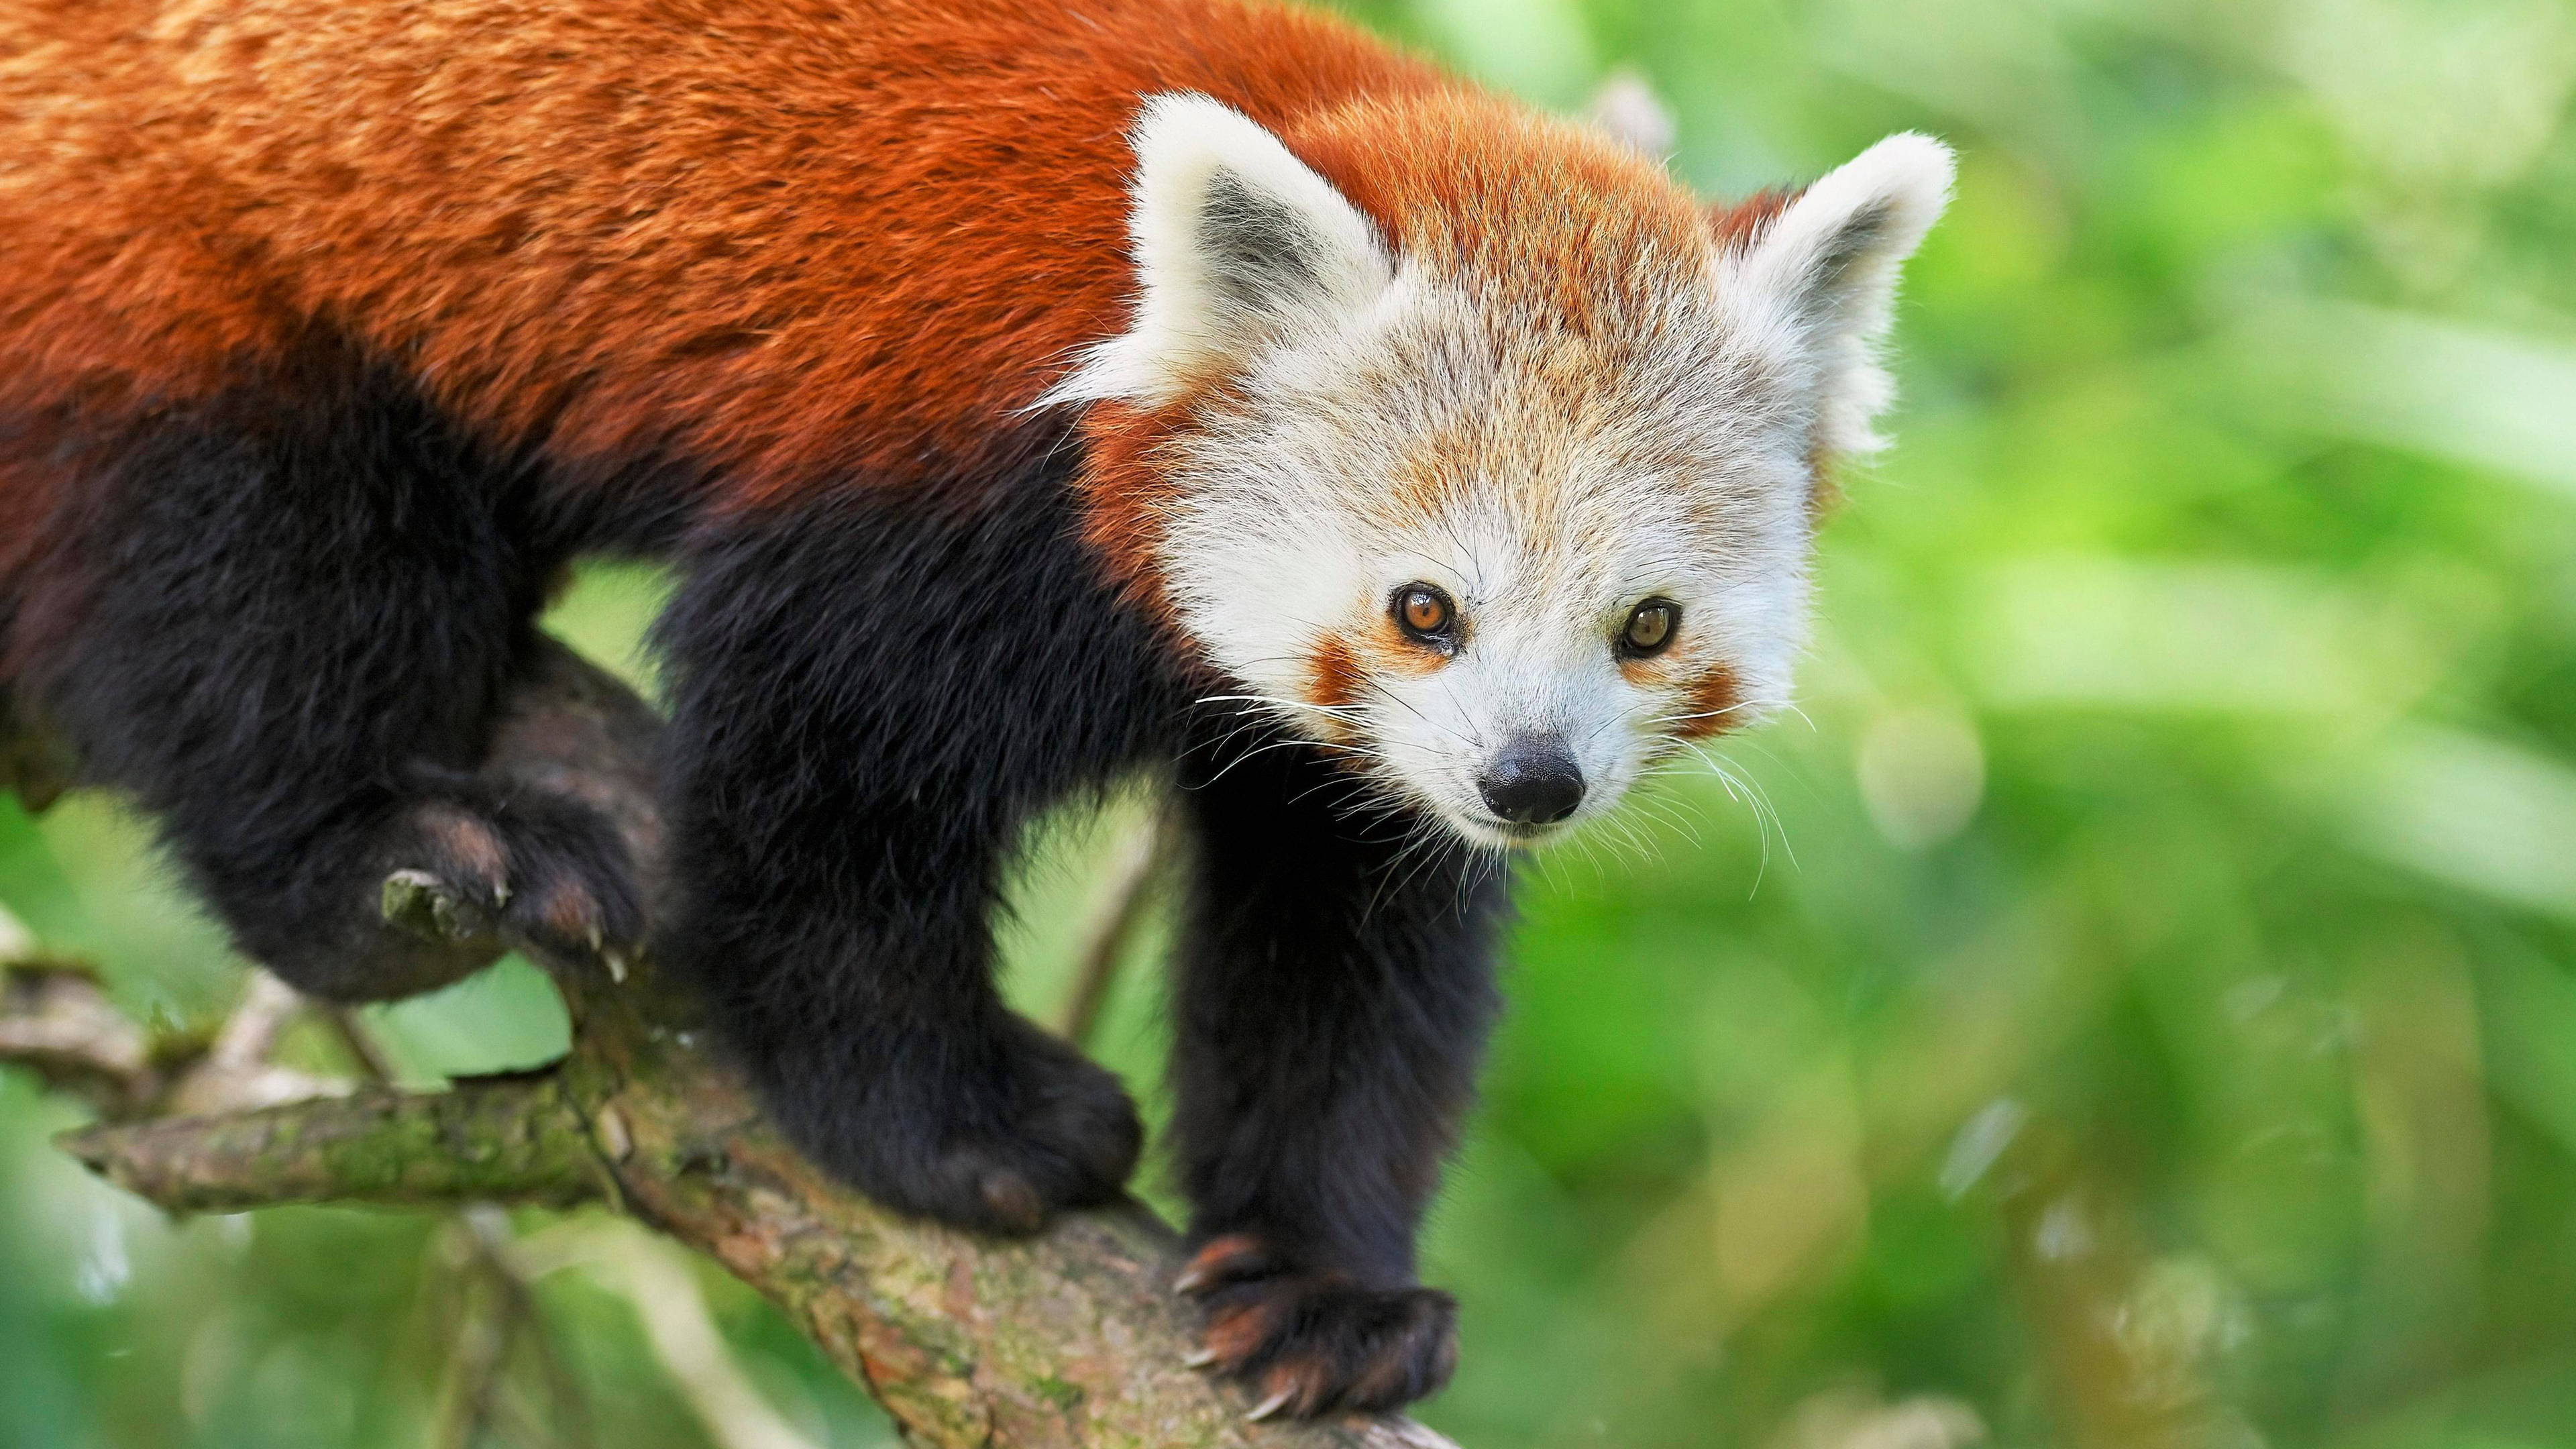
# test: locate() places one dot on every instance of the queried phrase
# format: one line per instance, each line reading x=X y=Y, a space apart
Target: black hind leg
x=287 y=620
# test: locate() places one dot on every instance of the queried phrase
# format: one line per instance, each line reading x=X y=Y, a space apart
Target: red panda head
x=1491 y=460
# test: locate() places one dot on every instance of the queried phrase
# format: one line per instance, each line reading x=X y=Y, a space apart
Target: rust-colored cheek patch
x=1708 y=703
x=1333 y=682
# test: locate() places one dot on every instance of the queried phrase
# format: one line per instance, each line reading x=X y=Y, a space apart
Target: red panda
x=1028 y=397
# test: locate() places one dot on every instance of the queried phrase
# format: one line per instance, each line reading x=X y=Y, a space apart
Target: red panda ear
x=1815 y=272
x=1738 y=225
x=1236 y=242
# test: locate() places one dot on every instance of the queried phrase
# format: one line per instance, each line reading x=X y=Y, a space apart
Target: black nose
x=1532 y=782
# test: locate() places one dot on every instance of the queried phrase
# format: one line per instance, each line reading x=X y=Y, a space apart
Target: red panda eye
x=1423 y=612
x=1650 y=628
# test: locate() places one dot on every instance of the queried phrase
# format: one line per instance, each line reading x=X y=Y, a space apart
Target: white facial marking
x=1384 y=424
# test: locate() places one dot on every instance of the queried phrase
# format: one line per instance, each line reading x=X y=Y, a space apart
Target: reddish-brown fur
x=1713 y=696
x=1740 y=224
x=789 y=241
x=1335 y=677
x=784 y=244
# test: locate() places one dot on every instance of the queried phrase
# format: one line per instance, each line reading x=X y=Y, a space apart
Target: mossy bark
x=511 y=1141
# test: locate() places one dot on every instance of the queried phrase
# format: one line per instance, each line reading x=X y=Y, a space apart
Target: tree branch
x=55 y=1022
x=1138 y=860
x=1069 y=1340
x=506 y=1140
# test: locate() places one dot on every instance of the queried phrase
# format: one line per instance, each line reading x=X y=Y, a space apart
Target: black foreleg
x=871 y=702
x=1335 y=994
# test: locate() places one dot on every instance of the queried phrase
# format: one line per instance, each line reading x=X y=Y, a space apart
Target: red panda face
x=1503 y=570
x=1501 y=542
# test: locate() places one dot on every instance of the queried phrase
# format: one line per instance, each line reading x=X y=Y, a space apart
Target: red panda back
x=785 y=241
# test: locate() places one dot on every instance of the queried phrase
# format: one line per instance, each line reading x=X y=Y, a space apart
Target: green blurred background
x=2134 y=1003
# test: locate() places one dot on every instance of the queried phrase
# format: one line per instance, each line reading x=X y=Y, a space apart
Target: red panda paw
x=524 y=869
x=1308 y=1343
x=1074 y=1140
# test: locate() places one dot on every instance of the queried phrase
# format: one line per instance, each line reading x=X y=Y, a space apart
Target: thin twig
x=1136 y=863
x=374 y=1063
x=491 y=1306
x=652 y=1277
x=236 y=1072
x=499 y=1311
x=55 y=1022
x=17 y=943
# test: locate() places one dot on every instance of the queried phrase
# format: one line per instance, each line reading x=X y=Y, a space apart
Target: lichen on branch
x=513 y=1141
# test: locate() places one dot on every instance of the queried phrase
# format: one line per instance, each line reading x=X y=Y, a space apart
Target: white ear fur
x=1825 y=269
x=1235 y=240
